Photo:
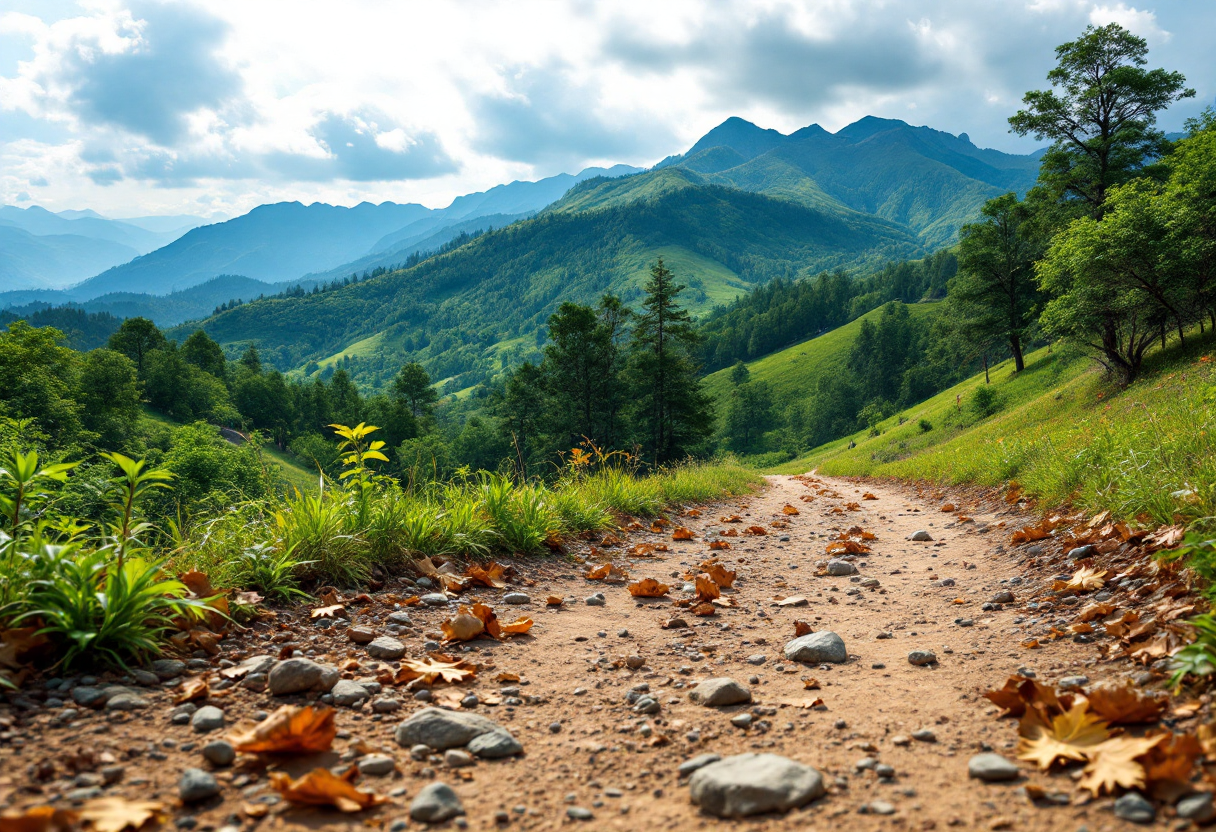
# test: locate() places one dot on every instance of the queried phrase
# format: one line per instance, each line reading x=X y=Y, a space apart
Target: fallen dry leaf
x=463 y=626
x=1168 y=766
x=490 y=576
x=707 y=590
x=681 y=533
x=554 y=601
x=648 y=588
x=191 y=690
x=114 y=814
x=868 y=496
x=1067 y=737
x=790 y=510
x=948 y=507
x=704 y=609
x=517 y=627
x=755 y=530
x=1085 y=579
x=334 y=611
x=437 y=667
x=792 y=601
x=606 y=572
x=321 y=787
x=719 y=544
x=38 y=819
x=1112 y=764
x=1092 y=612
x=198 y=583
x=810 y=684
x=290 y=730
x=801 y=628
x=506 y=677
x=1124 y=705
x=719 y=574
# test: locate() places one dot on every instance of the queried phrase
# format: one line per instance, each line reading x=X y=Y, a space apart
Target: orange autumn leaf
x=489 y=576
x=506 y=677
x=755 y=530
x=719 y=574
x=463 y=626
x=333 y=611
x=1124 y=704
x=948 y=507
x=850 y=547
x=1084 y=580
x=1113 y=764
x=868 y=496
x=704 y=609
x=38 y=819
x=693 y=512
x=192 y=689
x=437 y=667
x=290 y=730
x=517 y=627
x=707 y=589
x=321 y=787
x=412 y=601
x=681 y=534
x=648 y=588
x=730 y=533
x=554 y=601
x=1068 y=736
x=734 y=518
x=605 y=572
x=115 y=814
x=198 y=583
x=789 y=509
x=853 y=506
x=718 y=545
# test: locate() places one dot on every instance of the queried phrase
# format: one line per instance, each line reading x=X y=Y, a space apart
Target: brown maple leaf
x=437 y=667
x=1067 y=736
x=1124 y=705
x=289 y=730
x=648 y=588
x=321 y=787
x=1112 y=764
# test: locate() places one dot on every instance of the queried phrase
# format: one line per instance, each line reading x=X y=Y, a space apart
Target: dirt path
x=585 y=747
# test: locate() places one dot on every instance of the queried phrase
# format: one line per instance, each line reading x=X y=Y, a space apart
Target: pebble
x=596 y=600
x=579 y=813
x=920 y=536
x=720 y=692
x=1080 y=552
x=386 y=648
x=196 y=785
x=434 y=599
x=516 y=598
x=1132 y=806
x=386 y=705
x=126 y=702
x=877 y=807
x=1197 y=808
x=219 y=753
x=436 y=803
x=924 y=735
x=455 y=758
x=701 y=760
x=919 y=658
x=836 y=566
x=361 y=635
x=817 y=648
x=743 y=720
x=167 y=669
x=752 y=784
x=349 y=693
x=759 y=658
x=145 y=677
x=206 y=719
x=992 y=768
x=299 y=676
x=1005 y=597
x=376 y=765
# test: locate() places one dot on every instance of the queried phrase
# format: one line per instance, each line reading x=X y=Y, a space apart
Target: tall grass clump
x=320 y=531
x=696 y=482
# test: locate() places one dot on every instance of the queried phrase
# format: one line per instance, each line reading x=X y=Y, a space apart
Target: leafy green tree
x=1099 y=115
x=995 y=288
x=265 y=402
x=183 y=391
x=250 y=360
x=135 y=338
x=673 y=414
x=345 y=399
x=412 y=386
x=749 y=414
x=37 y=380
x=479 y=446
x=579 y=374
x=108 y=394
x=739 y=374
x=201 y=351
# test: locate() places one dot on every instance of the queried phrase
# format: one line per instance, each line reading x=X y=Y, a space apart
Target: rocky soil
x=621 y=712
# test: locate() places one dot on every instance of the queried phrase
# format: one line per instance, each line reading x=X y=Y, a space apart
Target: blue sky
x=134 y=107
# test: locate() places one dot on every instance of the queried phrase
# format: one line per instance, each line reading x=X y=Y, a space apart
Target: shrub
x=984 y=401
x=924 y=425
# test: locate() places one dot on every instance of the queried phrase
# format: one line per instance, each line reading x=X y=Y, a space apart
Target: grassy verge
x=1063 y=433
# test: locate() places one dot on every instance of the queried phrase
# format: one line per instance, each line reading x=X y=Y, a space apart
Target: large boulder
x=753 y=784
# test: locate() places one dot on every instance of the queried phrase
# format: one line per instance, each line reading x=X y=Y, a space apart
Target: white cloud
x=1137 y=21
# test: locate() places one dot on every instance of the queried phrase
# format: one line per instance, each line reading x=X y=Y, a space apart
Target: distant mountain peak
x=741 y=136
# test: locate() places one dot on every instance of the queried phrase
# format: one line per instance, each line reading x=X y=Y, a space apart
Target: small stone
x=885 y=771
x=992 y=768
x=495 y=745
x=1197 y=808
x=386 y=705
x=196 y=785
x=376 y=765
x=817 y=648
x=579 y=813
x=470 y=700
x=878 y=807
x=1005 y=597
x=167 y=669
x=924 y=735
x=401 y=617
x=207 y=718
x=596 y=600
x=1132 y=806
x=436 y=803
x=920 y=658
x=349 y=693
x=219 y=753
x=145 y=677
x=1072 y=682
x=1081 y=552
x=743 y=720
x=759 y=658
x=386 y=648
x=126 y=702
x=516 y=598
x=420 y=752
x=455 y=758
x=434 y=599
x=634 y=662
x=441 y=729
x=701 y=760
x=720 y=692
x=301 y=675
x=752 y=784
x=361 y=635
x=920 y=536
x=839 y=567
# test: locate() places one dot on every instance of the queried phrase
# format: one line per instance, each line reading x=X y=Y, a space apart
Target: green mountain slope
x=450 y=311
x=795 y=371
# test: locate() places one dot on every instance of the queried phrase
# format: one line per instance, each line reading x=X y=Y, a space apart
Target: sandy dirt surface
x=586 y=747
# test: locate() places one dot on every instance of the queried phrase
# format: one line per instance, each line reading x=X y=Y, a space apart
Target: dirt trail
x=584 y=745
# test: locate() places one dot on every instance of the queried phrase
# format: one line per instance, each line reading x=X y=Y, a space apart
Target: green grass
x=795 y=370
x=295 y=472
x=1064 y=433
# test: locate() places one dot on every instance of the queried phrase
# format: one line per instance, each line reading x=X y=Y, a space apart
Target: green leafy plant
x=134 y=482
x=1198 y=658
x=271 y=572
x=321 y=530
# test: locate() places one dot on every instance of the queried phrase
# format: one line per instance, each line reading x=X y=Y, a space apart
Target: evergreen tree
x=135 y=338
x=412 y=387
x=672 y=413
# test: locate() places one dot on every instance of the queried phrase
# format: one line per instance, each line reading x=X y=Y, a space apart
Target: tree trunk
x=986 y=379
x=1019 y=361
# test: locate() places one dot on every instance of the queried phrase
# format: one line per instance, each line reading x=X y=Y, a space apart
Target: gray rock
x=401 y=617
x=700 y=761
x=434 y=599
x=920 y=536
x=89 y=697
x=817 y=648
x=922 y=657
x=146 y=677
x=1072 y=682
x=196 y=785
x=752 y=784
x=168 y=668
x=720 y=692
x=301 y=676
x=759 y=658
x=579 y=813
x=207 y=718
x=1132 y=806
x=387 y=648
x=596 y=600
x=256 y=664
x=878 y=807
x=456 y=758
x=1005 y=597
x=1081 y=552
x=347 y=693
x=376 y=765
x=219 y=753
x=1197 y=808
x=924 y=735
x=743 y=720
x=435 y=804
x=992 y=768
x=495 y=745
x=442 y=729
x=516 y=598
x=836 y=566
x=126 y=701
x=386 y=705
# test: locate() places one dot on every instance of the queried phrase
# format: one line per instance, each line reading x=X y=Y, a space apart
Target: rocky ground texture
x=838 y=683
